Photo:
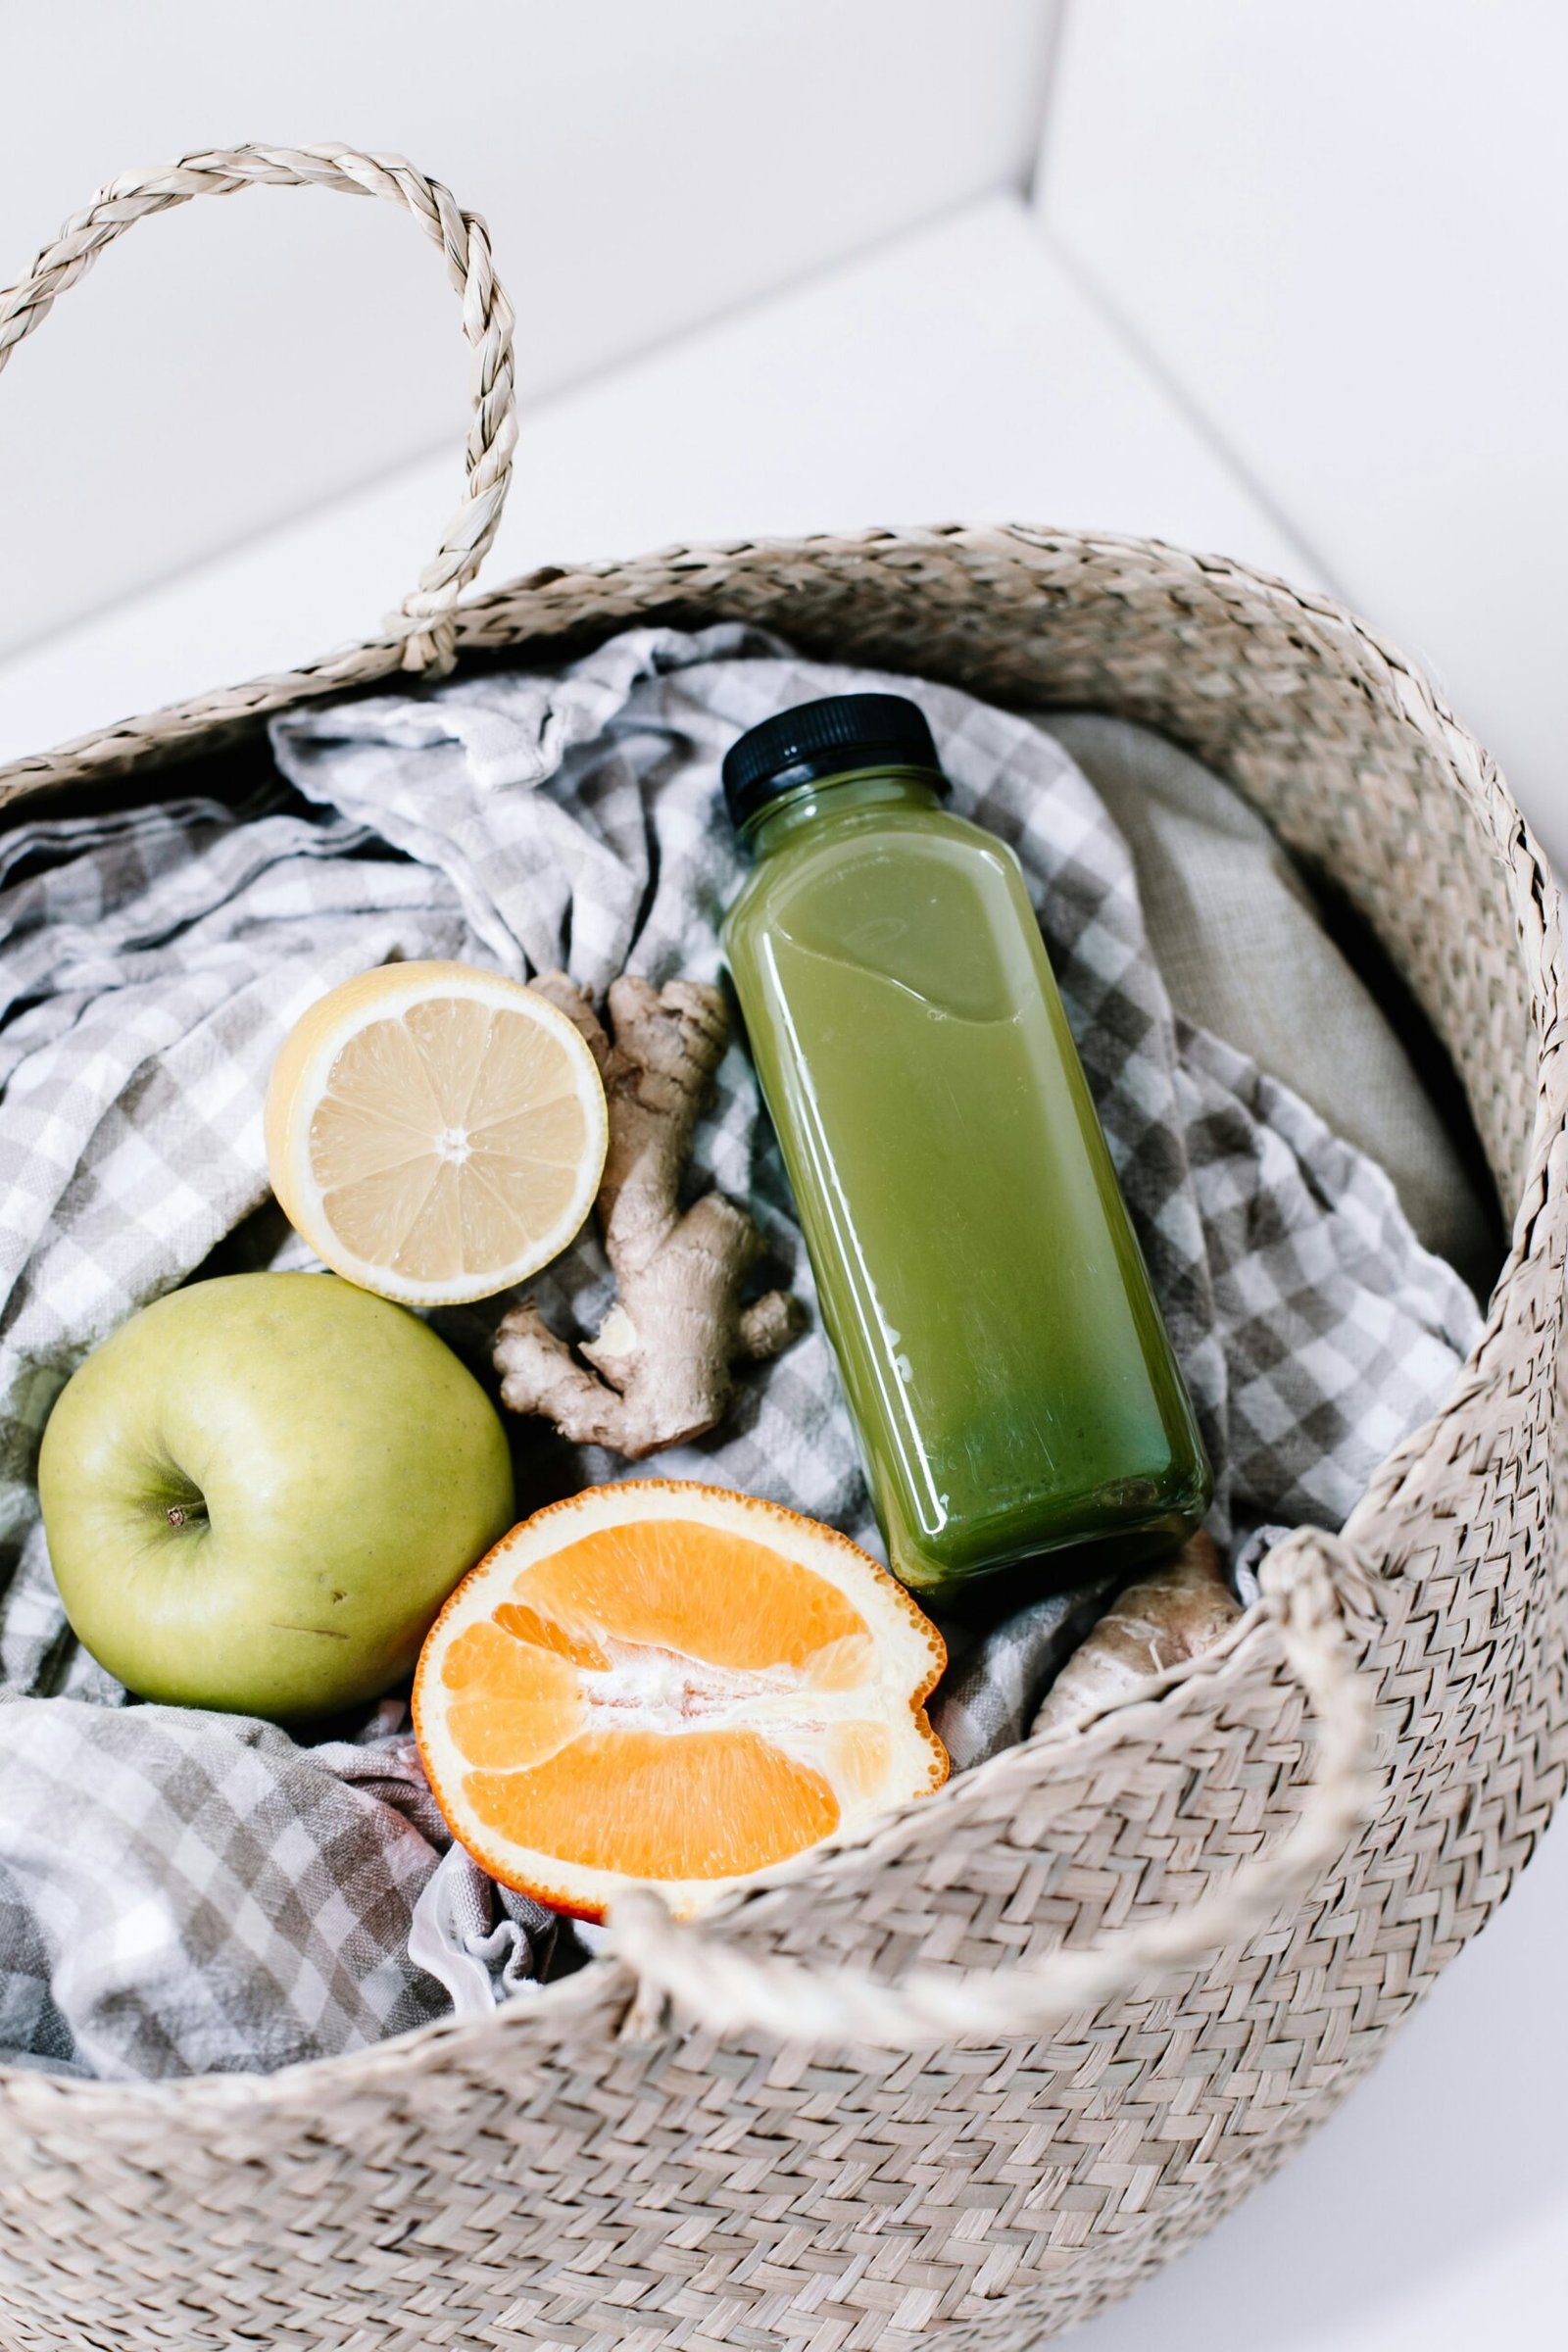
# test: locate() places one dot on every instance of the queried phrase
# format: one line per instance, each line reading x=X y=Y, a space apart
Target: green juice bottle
x=1004 y=1360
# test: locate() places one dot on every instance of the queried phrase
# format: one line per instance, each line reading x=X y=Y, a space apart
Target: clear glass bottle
x=1004 y=1360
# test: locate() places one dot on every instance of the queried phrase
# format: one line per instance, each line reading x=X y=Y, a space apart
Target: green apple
x=260 y=1491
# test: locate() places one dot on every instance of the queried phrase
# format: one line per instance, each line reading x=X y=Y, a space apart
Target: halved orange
x=670 y=1683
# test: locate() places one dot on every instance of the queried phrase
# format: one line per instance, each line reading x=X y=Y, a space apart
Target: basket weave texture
x=596 y=2170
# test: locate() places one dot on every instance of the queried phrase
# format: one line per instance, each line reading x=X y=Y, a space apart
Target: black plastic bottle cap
x=839 y=734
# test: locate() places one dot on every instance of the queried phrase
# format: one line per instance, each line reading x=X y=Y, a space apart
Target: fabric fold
x=229 y=1895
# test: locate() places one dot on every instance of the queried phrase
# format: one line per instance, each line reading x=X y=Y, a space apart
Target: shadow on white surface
x=956 y=374
x=1273 y=202
x=1416 y=2215
x=642 y=170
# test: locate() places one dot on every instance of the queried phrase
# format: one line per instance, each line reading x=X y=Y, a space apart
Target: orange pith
x=671 y=1684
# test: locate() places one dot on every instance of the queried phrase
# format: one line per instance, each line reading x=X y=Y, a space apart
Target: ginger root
x=1171 y=1614
x=661 y=1368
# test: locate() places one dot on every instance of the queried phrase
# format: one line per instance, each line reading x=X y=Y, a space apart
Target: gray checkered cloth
x=182 y=1890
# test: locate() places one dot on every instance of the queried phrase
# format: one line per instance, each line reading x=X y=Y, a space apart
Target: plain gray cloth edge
x=1241 y=946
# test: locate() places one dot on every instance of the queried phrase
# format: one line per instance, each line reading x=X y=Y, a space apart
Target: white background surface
x=1342 y=230
x=925 y=361
x=237 y=360
x=957 y=371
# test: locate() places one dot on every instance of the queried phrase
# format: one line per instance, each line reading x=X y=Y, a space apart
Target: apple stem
x=178 y=1513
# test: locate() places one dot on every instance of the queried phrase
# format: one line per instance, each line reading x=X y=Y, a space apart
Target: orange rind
x=672 y=1685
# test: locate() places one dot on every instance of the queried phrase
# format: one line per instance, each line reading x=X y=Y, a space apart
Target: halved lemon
x=666 y=1684
x=435 y=1133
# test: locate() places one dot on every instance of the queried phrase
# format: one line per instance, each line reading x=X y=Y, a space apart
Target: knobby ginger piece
x=661 y=1368
x=1173 y=1613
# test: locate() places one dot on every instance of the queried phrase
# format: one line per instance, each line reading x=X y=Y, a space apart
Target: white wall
x=1341 y=228
x=641 y=168
x=955 y=371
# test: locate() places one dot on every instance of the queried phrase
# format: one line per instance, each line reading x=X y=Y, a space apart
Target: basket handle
x=424 y=621
x=1307 y=1580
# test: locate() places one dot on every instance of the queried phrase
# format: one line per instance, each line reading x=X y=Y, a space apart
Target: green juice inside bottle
x=1002 y=1354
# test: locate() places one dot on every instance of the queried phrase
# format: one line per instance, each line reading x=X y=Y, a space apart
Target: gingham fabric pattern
x=150 y=964
x=212 y=1896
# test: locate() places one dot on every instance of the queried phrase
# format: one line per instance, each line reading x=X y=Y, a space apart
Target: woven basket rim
x=520 y=613
x=175 y=731
x=599 y=1981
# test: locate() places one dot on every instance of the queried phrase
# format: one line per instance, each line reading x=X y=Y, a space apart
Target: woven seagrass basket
x=975 y=2076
